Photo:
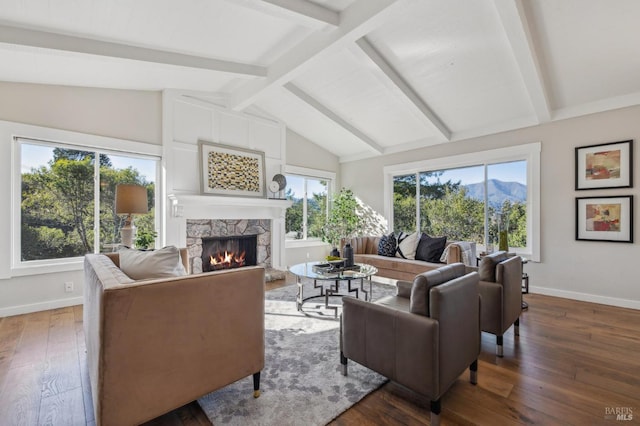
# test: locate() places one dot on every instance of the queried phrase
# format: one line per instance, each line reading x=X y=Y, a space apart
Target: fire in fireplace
x=229 y=252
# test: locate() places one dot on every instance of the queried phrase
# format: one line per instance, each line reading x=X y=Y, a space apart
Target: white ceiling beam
x=302 y=12
x=516 y=25
x=48 y=40
x=396 y=80
x=360 y=18
x=314 y=103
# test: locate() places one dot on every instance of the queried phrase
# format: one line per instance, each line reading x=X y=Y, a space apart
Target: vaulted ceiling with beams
x=360 y=78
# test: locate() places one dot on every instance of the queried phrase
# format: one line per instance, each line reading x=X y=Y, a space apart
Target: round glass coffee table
x=327 y=280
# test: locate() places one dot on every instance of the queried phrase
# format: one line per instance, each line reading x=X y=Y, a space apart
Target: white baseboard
x=41 y=306
x=585 y=297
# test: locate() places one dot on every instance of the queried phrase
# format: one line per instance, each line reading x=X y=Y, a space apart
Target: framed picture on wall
x=603 y=166
x=605 y=219
x=230 y=170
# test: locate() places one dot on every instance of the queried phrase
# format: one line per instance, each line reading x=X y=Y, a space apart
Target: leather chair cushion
x=487 y=268
x=422 y=284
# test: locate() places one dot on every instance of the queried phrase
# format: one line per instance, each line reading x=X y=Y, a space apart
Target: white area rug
x=301 y=383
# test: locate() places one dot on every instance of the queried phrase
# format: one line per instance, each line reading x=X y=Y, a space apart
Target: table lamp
x=130 y=200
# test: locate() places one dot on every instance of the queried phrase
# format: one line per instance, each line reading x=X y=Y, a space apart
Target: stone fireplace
x=193 y=218
x=202 y=231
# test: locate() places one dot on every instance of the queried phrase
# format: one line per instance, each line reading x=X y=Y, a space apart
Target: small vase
x=503 y=232
x=503 y=242
x=348 y=254
x=335 y=252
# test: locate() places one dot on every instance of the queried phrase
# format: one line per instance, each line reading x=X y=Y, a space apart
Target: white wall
x=123 y=114
x=601 y=272
x=302 y=152
x=126 y=114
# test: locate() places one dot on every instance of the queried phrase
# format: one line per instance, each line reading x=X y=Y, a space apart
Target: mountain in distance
x=499 y=191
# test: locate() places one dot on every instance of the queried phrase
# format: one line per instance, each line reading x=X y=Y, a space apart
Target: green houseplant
x=343 y=220
x=145 y=239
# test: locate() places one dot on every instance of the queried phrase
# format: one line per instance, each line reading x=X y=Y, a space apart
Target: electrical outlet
x=68 y=287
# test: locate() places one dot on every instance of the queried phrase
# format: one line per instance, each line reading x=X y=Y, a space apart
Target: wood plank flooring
x=574 y=364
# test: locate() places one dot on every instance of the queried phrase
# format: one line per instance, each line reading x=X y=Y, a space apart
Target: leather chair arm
x=404 y=289
x=456 y=306
x=492 y=307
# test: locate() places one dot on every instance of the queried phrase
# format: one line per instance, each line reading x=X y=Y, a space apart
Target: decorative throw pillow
x=140 y=265
x=407 y=244
x=387 y=245
x=430 y=249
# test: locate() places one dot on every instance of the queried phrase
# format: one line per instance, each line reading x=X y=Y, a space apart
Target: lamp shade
x=131 y=199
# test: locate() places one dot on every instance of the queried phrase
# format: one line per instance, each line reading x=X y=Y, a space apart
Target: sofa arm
x=454 y=254
x=397 y=344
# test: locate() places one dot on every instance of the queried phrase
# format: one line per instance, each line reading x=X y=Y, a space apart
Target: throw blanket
x=468 y=250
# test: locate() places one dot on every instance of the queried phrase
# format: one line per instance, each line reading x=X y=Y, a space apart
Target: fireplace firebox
x=228 y=252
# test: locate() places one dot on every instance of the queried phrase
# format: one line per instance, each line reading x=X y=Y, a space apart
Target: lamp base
x=126 y=234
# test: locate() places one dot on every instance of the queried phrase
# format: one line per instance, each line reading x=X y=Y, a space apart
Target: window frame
x=529 y=152
x=71 y=140
x=308 y=173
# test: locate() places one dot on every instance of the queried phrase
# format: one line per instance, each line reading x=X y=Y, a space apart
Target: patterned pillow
x=407 y=244
x=387 y=245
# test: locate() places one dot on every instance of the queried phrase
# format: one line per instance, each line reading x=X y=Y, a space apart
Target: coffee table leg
x=299 y=295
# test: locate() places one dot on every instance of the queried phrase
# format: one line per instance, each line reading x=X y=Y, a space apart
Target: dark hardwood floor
x=574 y=363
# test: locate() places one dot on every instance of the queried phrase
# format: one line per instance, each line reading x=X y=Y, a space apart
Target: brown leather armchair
x=423 y=338
x=501 y=292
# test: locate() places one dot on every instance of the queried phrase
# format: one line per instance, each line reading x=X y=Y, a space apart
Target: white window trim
x=313 y=174
x=529 y=152
x=10 y=132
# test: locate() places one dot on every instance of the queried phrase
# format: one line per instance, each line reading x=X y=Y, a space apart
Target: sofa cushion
x=161 y=263
x=430 y=249
x=387 y=245
x=487 y=267
x=407 y=244
x=422 y=284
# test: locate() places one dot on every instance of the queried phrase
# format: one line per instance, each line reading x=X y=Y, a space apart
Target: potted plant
x=343 y=220
x=145 y=239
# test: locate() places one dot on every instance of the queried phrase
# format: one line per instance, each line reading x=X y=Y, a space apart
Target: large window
x=305 y=218
x=67 y=196
x=484 y=194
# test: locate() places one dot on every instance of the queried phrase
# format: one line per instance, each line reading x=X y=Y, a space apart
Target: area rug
x=301 y=383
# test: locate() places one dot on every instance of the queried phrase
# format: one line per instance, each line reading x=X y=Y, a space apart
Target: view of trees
x=58 y=205
x=446 y=209
x=316 y=214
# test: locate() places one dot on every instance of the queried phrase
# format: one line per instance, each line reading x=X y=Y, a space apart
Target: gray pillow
x=141 y=265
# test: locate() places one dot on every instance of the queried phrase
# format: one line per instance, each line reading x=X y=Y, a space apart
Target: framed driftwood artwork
x=230 y=170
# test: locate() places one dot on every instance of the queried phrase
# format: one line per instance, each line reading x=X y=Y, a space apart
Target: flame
x=228 y=259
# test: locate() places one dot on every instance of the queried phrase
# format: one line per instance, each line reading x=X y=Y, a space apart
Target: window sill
x=304 y=243
x=73 y=264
